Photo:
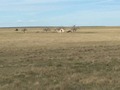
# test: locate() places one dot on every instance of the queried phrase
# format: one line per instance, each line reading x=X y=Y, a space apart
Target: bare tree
x=46 y=29
x=55 y=29
x=24 y=30
x=74 y=28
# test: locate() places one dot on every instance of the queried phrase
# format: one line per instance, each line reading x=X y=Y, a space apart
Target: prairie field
x=88 y=59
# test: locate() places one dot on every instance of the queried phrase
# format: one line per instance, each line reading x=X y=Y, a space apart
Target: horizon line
x=53 y=26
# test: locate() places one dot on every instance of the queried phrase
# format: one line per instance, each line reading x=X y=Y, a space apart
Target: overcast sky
x=59 y=12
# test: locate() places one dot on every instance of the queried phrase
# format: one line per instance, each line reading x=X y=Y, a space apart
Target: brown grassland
x=88 y=59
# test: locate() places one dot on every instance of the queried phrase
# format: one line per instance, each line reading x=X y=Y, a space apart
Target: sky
x=14 y=13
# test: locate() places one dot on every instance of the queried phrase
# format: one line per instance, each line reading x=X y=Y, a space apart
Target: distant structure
x=61 y=30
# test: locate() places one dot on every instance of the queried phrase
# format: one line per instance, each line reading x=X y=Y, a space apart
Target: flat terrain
x=88 y=59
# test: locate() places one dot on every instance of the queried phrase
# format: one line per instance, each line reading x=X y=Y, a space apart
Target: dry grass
x=86 y=60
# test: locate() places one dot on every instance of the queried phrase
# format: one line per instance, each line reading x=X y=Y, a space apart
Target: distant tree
x=55 y=29
x=24 y=30
x=74 y=28
x=16 y=29
x=46 y=29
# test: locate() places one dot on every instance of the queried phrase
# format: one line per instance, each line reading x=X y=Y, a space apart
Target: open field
x=88 y=59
